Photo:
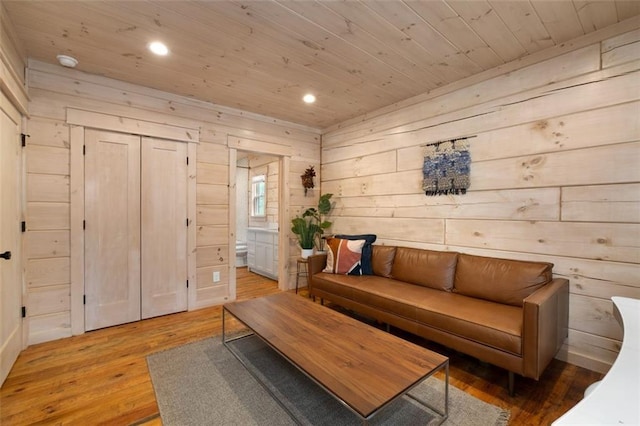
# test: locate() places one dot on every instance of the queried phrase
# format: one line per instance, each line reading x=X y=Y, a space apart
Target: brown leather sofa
x=509 y=313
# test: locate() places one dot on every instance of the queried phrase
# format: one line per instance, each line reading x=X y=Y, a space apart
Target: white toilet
x=241 y=253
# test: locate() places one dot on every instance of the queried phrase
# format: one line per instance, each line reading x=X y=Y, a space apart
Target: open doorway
x=257 y=201
x=259 y=213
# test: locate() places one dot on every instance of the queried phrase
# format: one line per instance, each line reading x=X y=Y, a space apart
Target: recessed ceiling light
x=309 y=98
x=159 y=48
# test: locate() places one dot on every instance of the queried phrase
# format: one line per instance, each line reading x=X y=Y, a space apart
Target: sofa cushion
x=367 y=268
x=435 y=269
x=488 y=323
x=335 y=284
x=344 y=256
x=382 y=260
x=500 y=280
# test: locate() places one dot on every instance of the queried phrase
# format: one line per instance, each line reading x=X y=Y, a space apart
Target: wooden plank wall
x=273 y=189
x=555 y=176
x=12 y=64
x=52 y=89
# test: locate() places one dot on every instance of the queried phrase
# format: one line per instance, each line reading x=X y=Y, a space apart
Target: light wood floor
x=101 y=377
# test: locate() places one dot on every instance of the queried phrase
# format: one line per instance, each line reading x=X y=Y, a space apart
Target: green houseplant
x=318 y=214
x=311 y=226
x=306 y=229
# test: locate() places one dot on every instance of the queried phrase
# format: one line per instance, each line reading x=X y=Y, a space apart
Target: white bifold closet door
x=112 y=229
x=164 y=227
x=135 y=228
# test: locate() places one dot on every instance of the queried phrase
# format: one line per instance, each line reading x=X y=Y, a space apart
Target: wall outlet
x=216 y=276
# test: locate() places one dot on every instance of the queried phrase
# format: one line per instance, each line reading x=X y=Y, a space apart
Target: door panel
x=10 y=241
x=164 y=228
x=112 y=235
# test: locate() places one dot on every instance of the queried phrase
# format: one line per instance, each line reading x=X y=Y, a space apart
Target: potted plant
x=306 y=230
x=318 y=215
x=310 y=227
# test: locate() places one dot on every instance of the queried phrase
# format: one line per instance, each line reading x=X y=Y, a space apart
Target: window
x=258 y=196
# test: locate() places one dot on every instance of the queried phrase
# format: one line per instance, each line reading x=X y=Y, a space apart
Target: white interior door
x=164 y=227
x=10 y=277
x=112 y=233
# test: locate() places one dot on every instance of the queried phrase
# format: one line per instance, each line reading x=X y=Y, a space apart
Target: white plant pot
x=306 y=253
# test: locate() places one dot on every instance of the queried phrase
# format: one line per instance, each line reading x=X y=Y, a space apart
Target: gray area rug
x=203 y=383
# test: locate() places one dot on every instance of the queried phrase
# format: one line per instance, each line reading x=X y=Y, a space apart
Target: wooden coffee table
x=363 y=367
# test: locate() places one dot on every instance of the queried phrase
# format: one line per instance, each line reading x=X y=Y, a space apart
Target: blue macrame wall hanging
x=446 y=168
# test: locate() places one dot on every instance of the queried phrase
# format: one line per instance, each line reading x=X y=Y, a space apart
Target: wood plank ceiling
x=263 y=56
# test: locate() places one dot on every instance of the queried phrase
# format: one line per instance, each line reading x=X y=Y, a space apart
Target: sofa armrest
x=545 y=325
x=316 y=263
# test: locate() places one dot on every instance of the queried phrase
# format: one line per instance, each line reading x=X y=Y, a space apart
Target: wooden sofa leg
x=511 y=383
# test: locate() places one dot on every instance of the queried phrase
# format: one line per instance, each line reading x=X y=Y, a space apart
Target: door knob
x=6 y=255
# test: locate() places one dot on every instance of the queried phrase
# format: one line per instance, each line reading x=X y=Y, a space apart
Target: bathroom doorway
x=257 y=200
x=259 y=210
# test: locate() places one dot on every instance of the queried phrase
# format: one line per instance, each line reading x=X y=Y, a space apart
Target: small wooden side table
x=302 y=270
